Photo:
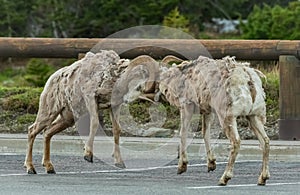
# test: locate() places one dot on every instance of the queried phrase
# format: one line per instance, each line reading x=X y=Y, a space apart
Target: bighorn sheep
x=231 y=89
x=85 y=86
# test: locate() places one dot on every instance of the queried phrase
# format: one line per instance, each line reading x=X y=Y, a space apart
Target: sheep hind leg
x=256 y=124
x=94 y=125
x=211 y=159
x=186 y=116
x=230 y=127
x=116 y=133
x=58 y=126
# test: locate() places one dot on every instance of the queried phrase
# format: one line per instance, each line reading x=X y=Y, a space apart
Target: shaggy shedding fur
x=72 y=91
x=225 y=87
x=229 y=88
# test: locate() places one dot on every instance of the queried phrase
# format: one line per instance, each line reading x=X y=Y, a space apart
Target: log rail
x=71 y=47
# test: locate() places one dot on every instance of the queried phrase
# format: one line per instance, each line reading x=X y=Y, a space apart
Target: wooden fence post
x=289 y=98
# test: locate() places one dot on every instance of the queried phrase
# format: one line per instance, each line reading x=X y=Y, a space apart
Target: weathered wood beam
x=157 y=48
x=289 y=98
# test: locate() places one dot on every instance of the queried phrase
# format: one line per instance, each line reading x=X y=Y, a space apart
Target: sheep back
x=71 y=86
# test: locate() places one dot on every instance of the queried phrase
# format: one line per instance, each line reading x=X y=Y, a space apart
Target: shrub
x=271 y=87
x=273 y=22
x=176 y=20
x=20 y=99
x=11 y=77
x=38 y=72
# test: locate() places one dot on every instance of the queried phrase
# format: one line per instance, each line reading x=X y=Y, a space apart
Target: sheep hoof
x=52 y=171
x=120 y=165
x=211 y=166
x=182 y=169
x=262 y=184
x=31 y=171
x=263 y=178
x=224 y=180
x=222 y=183
x=262 y=181
x=88 y=158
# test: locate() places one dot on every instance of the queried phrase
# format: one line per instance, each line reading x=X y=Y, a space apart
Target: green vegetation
x=271 y=86
x=100 y=18
x=18 y=106
x=273 y=22
x=139 y=110
x=37 y=72
x=20 y=99
x=12 y=76
x=20 y=89
x=34 y=74
x=176 y=20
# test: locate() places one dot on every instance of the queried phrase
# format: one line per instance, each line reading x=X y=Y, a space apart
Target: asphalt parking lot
x=151 y=168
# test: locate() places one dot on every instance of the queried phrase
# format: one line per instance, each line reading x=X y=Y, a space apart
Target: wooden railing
x=129 y=48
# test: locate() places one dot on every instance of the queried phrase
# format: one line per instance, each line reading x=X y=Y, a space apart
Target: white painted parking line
x=242 y=185
x=13 y=174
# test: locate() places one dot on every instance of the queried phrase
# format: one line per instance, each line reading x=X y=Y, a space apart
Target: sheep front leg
x=116 y=132
x=94 y=125
x=186 y=114
x=206 y=123
x=230 y=127
x=257 y=125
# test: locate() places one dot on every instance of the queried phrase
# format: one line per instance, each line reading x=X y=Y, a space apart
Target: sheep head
x=138 y=78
